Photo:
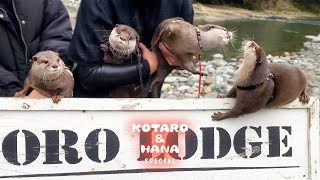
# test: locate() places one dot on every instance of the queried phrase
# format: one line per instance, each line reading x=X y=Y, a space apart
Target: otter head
x=253 y=53
x=254 y=65
x=47 y=65
x=181 y=38
x=123 y=41
x=214 y=35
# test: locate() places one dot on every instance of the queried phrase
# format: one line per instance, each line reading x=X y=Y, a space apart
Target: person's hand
x=168 y=55
x=35 y=94
x=150 y=56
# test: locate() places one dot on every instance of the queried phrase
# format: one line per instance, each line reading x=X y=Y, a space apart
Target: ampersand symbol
x=159 y=139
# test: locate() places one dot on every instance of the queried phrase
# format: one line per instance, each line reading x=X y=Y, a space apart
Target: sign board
x=156 y=139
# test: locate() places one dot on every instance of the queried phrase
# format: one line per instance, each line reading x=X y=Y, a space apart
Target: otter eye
x=58 y=60
x=224 y=29
x=34 y=58
x=212 y=26
x=46 y=61
x=129 y=38
x=116 y=25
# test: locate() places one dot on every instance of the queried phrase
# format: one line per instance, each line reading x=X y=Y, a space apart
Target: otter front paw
x=104 y=48
x=57 y=99
x=217 y=116
x=19 y=94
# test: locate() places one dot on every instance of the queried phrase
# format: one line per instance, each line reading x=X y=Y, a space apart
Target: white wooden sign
x=156 y=139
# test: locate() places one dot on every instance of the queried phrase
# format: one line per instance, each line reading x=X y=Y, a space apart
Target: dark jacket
x=94 y=16
x=42 y=25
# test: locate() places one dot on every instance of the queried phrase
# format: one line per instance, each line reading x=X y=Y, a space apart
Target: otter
x=260 y=84
x=185 y=41
x=49 y=76
x=122 y=48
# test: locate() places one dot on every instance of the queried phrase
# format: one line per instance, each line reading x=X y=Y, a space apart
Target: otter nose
x=123 y=38
x=55 y=66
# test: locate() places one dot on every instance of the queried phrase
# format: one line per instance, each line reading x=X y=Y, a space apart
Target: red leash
x=199 y=59
x=200 y=76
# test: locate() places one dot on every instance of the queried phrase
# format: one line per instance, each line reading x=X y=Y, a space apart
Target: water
x=273 y=35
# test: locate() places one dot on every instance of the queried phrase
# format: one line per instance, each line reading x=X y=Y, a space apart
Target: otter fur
x=49 y=76
x=260 y=84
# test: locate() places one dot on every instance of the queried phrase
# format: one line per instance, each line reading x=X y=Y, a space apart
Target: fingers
x=143 y=47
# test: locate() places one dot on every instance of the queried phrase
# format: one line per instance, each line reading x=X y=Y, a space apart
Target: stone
x=310 y=37
x=211 y=95
x=316 y=39
x=182 y=79
x=209 y=80
x=170 y=79
x=206 y=89
x=183 y=89
x=217 y=56
x=165 y=87
x=285 y=54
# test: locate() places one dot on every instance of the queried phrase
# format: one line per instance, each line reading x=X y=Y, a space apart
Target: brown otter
x=122 y=48
x=260 y=84
x=49 y=76
x=185 y=41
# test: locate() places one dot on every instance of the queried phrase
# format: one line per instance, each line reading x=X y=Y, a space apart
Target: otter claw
x=217 y=116
x=19 y=94
x=57 y=99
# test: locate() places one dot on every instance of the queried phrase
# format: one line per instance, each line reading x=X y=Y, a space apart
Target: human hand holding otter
x=150 y=56
x=168 y=55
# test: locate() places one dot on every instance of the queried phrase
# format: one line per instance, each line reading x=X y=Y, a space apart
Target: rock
x=206 y=89
x=192 y=90
x=219 y=63
x=165 y=87
x=193 y=95
x=209 y=80
x=182 y=79
x=285 y=54
x=211 y=95
x=316 y=39
x=217 y=56
x=233 y=60
x=183 y=89
x=219 y=79
x=310 y=37
x=171 y=79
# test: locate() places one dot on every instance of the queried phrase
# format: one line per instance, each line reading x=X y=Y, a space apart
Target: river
x=276 y=36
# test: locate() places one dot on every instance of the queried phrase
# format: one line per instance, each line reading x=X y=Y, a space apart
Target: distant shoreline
x=221 y=13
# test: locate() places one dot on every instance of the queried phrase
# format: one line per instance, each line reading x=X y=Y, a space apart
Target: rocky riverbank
x=182 y=84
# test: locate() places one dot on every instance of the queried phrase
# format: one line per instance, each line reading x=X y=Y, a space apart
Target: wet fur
x=289 y=83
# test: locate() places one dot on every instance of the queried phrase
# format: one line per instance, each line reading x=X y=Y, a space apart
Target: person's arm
x=94 y=16
x=56 y=30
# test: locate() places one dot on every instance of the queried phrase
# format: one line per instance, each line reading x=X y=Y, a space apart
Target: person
x=27 y=27
x=93 y=77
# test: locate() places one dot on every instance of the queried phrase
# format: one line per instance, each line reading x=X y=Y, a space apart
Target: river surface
x=274 y=35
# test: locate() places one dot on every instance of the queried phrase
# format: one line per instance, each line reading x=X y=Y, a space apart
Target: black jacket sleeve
x=9 y=84
x=93 y=17
x=110 y=76
x=56 y=29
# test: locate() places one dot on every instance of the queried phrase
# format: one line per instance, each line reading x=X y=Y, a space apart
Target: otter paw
x=19 y=94
x=304 y=98
x=217 y=116
x=222 y=96
x=204 y=73
x=57 y=99
x=104 y=48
